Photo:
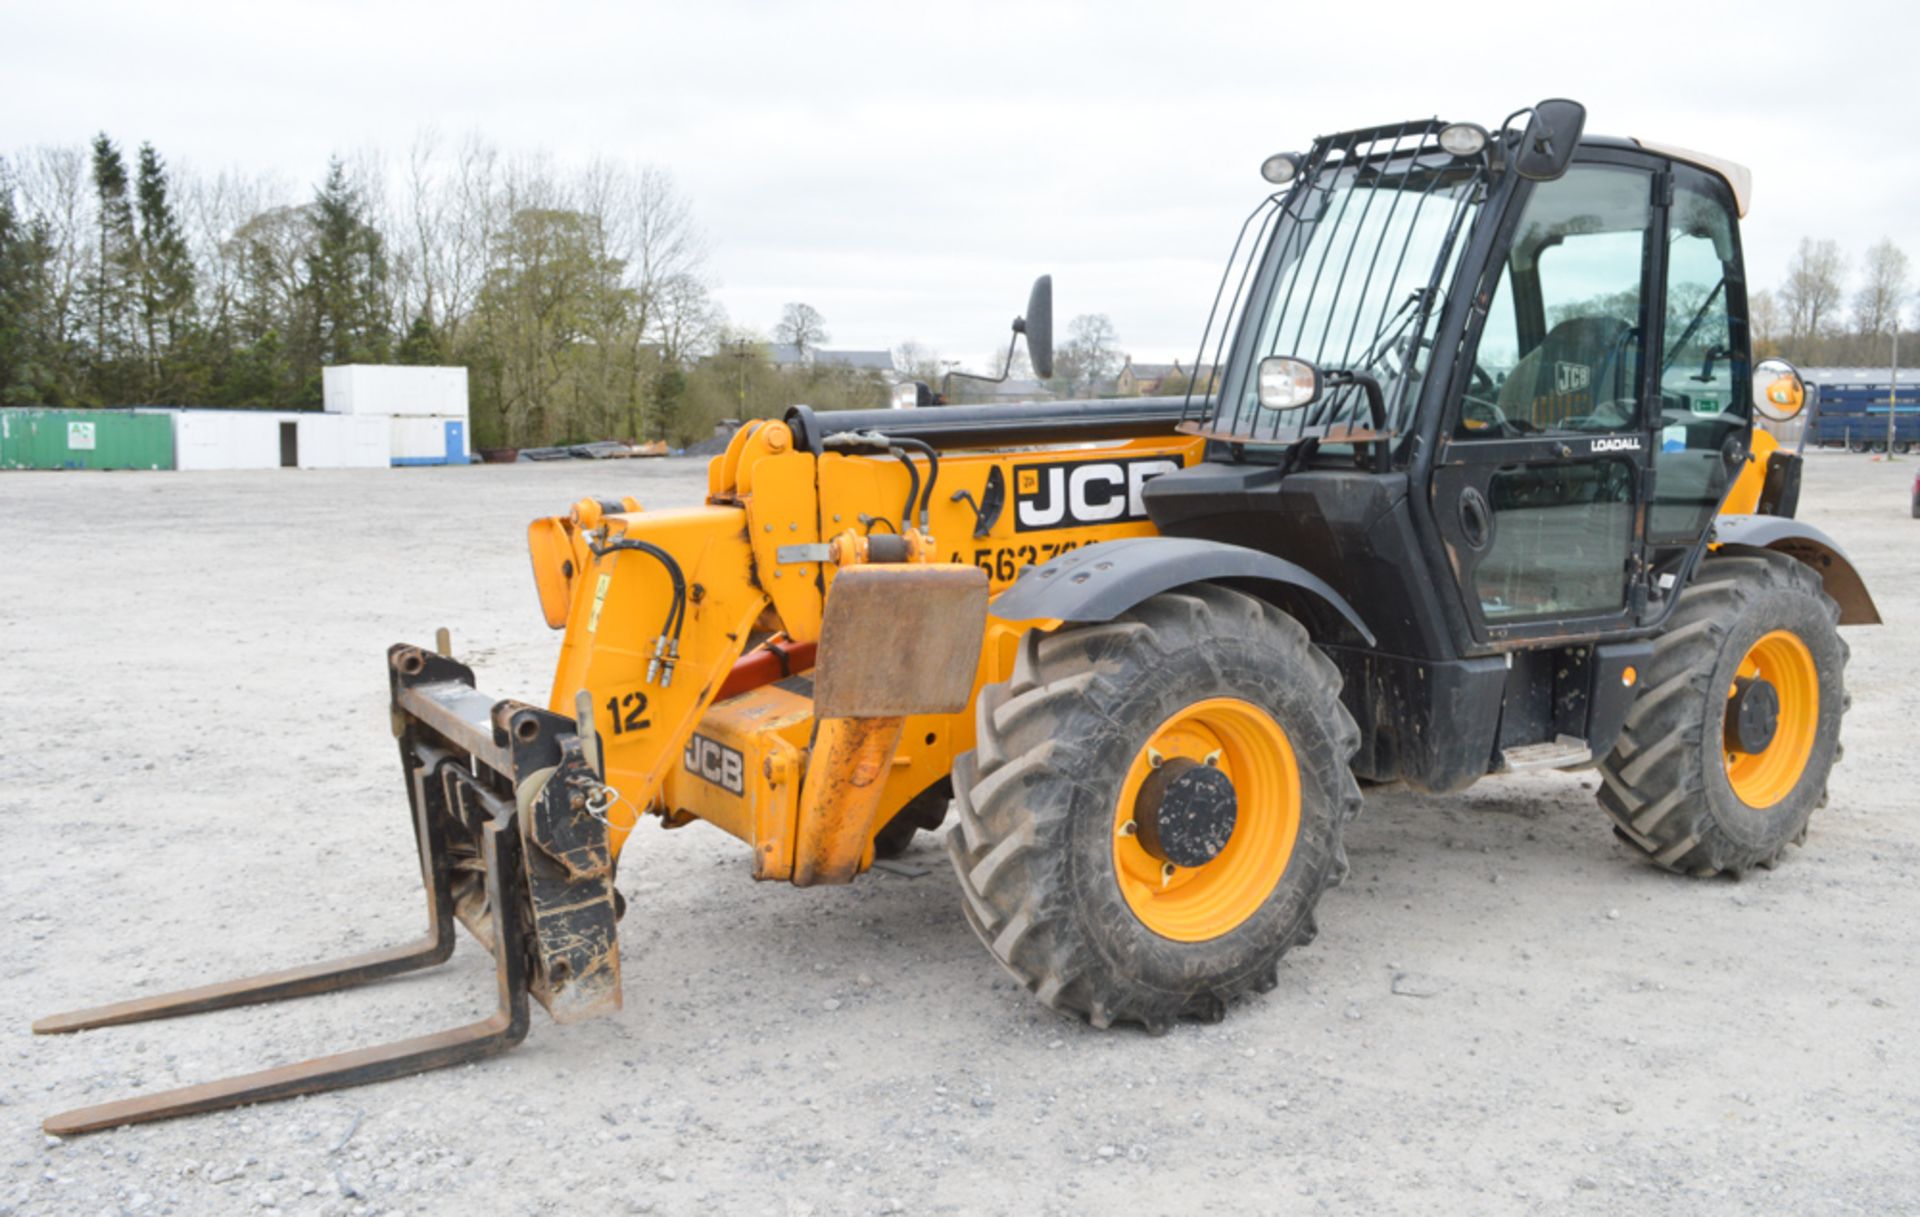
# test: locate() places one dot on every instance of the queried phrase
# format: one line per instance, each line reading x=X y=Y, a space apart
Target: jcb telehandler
x=1468 y=483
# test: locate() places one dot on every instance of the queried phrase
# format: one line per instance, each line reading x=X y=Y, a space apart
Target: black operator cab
x=1492 y=387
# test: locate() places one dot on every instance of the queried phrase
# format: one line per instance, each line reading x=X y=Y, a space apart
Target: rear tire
x=1042 y=848
x=1676 y=787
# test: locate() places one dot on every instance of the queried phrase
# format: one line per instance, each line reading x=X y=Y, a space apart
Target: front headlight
x=1287 y=383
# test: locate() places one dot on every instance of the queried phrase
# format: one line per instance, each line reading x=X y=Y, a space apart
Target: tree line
x=579 y=299
x=1825 y=315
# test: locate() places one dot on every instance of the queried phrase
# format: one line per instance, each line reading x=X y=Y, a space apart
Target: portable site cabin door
x=456 y=441
x=289 y=445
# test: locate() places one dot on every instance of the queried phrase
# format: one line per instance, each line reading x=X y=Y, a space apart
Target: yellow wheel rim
x=1193 y=904
x=1763 y=778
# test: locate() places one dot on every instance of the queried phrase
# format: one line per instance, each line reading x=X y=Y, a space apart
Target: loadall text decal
x=1072 y=494
x=716 y=763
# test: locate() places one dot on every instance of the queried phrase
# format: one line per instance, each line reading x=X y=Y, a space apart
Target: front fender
x=1803 y=543
x=1099 y=582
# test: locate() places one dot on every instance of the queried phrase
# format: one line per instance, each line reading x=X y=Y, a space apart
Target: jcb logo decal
x=716 y=763
x=1069 y=494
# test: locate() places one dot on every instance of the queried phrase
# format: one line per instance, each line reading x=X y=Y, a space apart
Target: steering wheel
x=1484 y=419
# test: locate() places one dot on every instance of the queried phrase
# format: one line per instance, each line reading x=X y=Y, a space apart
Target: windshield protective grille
x=1346 y=270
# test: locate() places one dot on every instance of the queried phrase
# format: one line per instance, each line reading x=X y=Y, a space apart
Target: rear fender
x=1099 y=582
x=1803 y=543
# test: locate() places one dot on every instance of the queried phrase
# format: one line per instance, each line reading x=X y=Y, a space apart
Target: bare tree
x=213 y=211
x=1091 y=353
x=1764 y=320
x=1878 y=305
x=454 y=199
x=1815 y=286
x=52 y=187
x=915 y=360
x=687 y=320
x=801 y=327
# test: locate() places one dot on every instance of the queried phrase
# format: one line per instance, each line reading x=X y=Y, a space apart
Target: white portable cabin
x=278 y=439
x=427 y=406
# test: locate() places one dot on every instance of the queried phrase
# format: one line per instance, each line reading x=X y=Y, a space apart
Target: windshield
x=1356 y=260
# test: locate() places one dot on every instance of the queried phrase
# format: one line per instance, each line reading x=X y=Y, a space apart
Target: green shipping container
x=85 y=439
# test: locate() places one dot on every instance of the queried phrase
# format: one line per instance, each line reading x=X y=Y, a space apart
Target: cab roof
x=1737 y=176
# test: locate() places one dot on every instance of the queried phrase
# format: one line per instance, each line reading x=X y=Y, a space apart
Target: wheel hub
x=1753 y=714
x=1185 y=812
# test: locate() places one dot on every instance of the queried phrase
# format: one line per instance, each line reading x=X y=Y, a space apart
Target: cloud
x=908 y=170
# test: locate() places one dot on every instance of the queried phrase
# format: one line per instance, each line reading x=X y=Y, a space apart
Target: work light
x=1281 y=167
x=1463 y=139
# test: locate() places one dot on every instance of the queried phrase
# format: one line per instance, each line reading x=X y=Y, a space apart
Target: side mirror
x=1546 y=146
x=1037 y=325
x=912 y=395
x=1287 y=383
x=1779 y=393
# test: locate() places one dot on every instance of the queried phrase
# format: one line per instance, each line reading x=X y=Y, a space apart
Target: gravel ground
x=1503 y=1013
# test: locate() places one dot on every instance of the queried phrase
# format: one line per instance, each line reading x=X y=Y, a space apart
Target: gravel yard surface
x=1504 y=1011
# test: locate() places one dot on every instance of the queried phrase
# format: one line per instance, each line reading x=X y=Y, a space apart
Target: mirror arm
x=1006 y=368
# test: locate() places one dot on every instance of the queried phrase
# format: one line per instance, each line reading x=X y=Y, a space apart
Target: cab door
x=1543 y=463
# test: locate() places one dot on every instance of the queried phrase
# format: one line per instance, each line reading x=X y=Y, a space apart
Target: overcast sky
x=908 y=169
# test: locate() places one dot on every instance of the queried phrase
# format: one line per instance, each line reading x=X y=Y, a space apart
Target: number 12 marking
x=636 y=704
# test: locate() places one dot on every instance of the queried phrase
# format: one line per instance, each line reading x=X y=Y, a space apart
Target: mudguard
x=1099 y=582
x=1803 y=543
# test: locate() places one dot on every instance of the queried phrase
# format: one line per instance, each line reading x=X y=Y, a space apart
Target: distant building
x=787 y=357
x=1150 y=379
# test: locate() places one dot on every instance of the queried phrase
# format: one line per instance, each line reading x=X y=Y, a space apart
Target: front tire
x=1063 y=855
x=1681 y=785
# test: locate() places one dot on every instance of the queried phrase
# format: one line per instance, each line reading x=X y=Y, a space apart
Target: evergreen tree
x=421 y=346
x=26 y=369
x=164 y=294
x=667 y=407
x=346 y=276
x=113 y=271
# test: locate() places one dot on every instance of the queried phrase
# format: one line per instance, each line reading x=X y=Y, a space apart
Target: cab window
x=1703 y=358
x=1561 y=349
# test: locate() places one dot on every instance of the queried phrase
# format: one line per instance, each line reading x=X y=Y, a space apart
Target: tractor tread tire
x=1034 y=772
x=926 y=811
x=1662 y=784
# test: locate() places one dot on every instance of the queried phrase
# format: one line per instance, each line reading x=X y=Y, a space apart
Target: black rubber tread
x=926 y=810
x=1033 y=804
x=1664 y=784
